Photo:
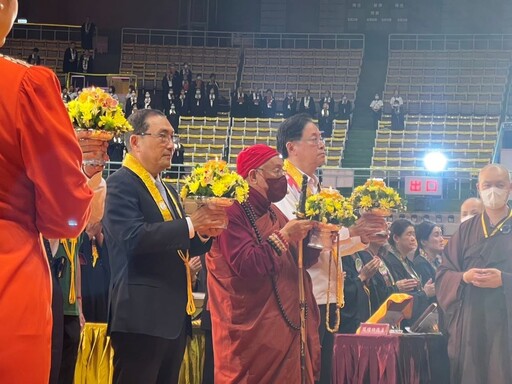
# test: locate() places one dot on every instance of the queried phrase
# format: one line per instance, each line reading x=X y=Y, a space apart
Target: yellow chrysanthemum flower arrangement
x=215 y=180
x=330 y=207
x=96 y=110
x=375 y=197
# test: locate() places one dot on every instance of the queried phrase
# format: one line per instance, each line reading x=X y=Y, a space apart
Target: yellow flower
x=384 y=204
x=194 y=186
x=366 y=202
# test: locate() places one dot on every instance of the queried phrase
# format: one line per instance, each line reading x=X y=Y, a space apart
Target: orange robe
x=42 y=191
x=252 y=342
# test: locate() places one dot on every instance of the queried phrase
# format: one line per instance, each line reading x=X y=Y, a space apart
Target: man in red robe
x=253 y=284
x=474 y=287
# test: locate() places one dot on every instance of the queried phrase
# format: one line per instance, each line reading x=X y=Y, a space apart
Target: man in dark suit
x=70 y=61
x=149 y=241
x=307 y=104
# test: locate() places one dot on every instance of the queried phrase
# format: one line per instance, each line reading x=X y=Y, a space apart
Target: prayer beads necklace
x=251 y=215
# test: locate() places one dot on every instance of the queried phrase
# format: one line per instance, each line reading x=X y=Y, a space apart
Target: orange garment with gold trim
x=42 y=191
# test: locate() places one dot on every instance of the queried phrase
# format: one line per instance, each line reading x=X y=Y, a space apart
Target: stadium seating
x=468 y=144
x=467 y=83
x=203 y=138
x=296 y=70
x=51 y=51
x=150 y=62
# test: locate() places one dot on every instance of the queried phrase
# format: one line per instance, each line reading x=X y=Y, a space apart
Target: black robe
x=310 y=110
x=381 y=286
x=289 y=107
x=398 y=271
x=478 y=320
x=70 y=63
x=215 y=87
x=197 y=106
x=212 y=108
x=183 y=106
x=95 y=281
x=255 y=105
x=325 y=124
x=87 y=35
x=268 y=108
x=238 y=105
x=357 y=298
x=328 y=100
x=345 y=110
x=424 y=269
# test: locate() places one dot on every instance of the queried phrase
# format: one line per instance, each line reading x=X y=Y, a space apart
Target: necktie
x=162 y=191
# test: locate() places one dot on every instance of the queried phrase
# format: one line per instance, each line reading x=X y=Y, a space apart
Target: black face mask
x=277 y=189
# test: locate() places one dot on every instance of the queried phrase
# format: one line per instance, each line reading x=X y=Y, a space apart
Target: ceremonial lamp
x=301 y=213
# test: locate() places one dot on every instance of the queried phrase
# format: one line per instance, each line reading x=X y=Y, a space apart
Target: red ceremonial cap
x=254 y=157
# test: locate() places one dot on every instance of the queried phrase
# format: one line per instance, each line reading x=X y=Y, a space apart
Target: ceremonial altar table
x=94 y=364
x=390 y=359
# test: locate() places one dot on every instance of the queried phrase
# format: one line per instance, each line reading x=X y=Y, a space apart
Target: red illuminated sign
x=417 y=185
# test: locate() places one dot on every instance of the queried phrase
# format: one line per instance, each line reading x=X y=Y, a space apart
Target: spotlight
x=435 y=162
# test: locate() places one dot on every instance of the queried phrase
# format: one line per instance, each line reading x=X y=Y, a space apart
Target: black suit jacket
x=148 y=290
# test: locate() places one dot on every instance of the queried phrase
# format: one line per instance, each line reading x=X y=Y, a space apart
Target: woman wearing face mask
x=253 y=283
x=427 y=257
x=402 y=241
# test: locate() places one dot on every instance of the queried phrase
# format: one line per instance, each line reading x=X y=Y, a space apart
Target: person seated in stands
x=289 y=105
x=197 y=106
x=66 y=98
x=70 y=61
x=329 y=100
x=255 y=104
x=376 y=106
x=172 y=112
x=397 y=116
x=186 y=73
x=34 y=57
x=182 y=106
x=212 y=107
x=198 y=84
x=307 y=104
x=131 y=102
x=325 y=118
x=72 y=92
x=112 y=92
x=345 y=109
x=86 y=64
x=212 y=84
x=239 y=103
x=268 y=109
x=168 y=85
x=185 y=86
x=147 y=100
x=178 y=157
x=396 y=98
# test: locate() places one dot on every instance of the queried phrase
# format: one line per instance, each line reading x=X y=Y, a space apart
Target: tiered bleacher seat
x=247 y=132
x=296 y=70
x=203 y=138
x=469 y=82
x=468 y=144
x=51 y=51
x=150 y=62
x=335 y=144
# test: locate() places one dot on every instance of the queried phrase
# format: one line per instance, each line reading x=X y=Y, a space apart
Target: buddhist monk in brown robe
x=253 y=284
x=474 y=287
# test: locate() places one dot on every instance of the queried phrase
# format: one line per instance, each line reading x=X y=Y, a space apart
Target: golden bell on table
x=96 y=115
x=331 y=211
x=213 y=184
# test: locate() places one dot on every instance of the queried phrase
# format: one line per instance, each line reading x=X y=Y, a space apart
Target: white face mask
x=494 y=198
x=466 y=218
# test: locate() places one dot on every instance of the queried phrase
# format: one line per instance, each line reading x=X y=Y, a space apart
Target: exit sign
x=425 y=186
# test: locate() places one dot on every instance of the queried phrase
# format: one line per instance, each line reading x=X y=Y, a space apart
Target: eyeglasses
x=278 y=172
x=163 y=137
x=316 y=140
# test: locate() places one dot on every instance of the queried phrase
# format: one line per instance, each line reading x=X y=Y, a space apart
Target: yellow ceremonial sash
x=69 y=246
x=296 y=175
x=136 y=167
x=95 y=254
x=498 y=227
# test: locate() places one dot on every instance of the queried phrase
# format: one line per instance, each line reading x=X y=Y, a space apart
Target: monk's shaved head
x=494 y=169
x=471 y=207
